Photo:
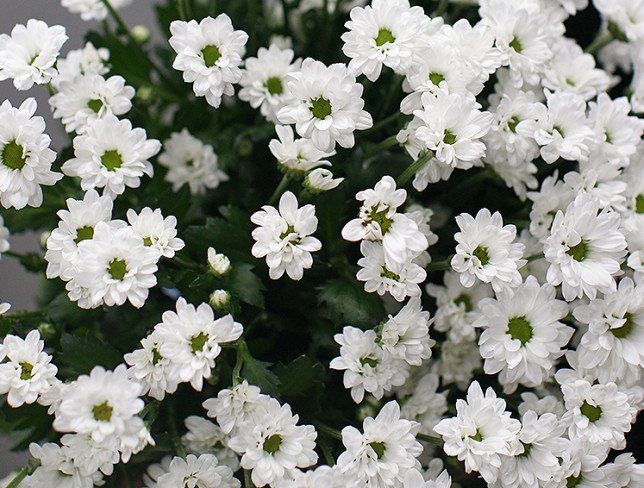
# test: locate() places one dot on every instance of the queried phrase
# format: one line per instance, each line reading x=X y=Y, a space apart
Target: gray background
x=16 y=286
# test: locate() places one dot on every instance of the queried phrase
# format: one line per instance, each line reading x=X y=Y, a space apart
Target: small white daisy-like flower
x=112 y=155
x=628 y=15
x=425 y=405
x=481 y=432
x=157 y=232
x=367 y=367
x=325 y=476
x=155 y=471
x=296 y=155
x=92 y=9
x=102 y=404
x=547 y=404
x=91 y=456
x=234 y=407
x=79 y=62
x=387 y=32
x=26 y=371
x=406 y=334
x=414 y=479
x=25 y=156
x=523 y=336
x=29 y=54
x=599 y=180
x=205 y=437
x=452 y=126
x=486 y=251
x=381 y=455
x=57 y=468
x=197 y=472
x=274 y=445
x=320 y=180
x=584 y=249
x=283 y=236
x=264 y=80
x=4 y=237
x=624 y=471
x=191 y=338
x=190 y=161
x=219 y=263
x=579 y=466
x=400 y=280
x=88 y=97
x=553 y=196
x=327 y=105
x=115 y=266
x=599 y=413
x=457 y=362
x=76 y=225
x=209 y=54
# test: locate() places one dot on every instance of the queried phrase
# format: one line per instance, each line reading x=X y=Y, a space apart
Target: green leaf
x=246 y=286
x=300 y=377
x=83 y=353
x=345 y=302
x=257 y=373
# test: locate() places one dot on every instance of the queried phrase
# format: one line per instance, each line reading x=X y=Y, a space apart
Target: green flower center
x=481 y=253
x=210 y=55
x=516 y=45
x=289 y=230
x=449 y=137
x=519 y=328
x=526 y=450
x=12 y=155
x=385 y=273
x=102 y=412
x=96 y=105
x=156 y=356
x=512 y=124
x=626 y=329
x=436 y=78
x=320 y=108
x=593 y=412
x=381 y=217
x=579 y=252
x=198 y=342
x=274 y=85
x=147 y=241
x=272 y=443
x=369 y=361
x=639 y=204
x=465 y=300
x=556 y=128
x=25 y=370
x=84 y=233
x=478 y=436
x=384 y=36
x=111 y=160
x=117 y=269
x=573 y=481
x=378 y=448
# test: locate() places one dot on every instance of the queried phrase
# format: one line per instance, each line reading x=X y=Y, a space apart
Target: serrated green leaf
x=300 y=377
x=257 y=373
x=83 y=353
x=344 y=302
x=246 y=286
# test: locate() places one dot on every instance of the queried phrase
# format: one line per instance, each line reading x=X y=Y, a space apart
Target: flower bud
x=219 y=263
x=320 y=180
x=220 y=300
x=140 y=33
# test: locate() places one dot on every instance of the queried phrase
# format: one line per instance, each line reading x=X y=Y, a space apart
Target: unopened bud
x=320 y=180
x=219 y=263
x=220 y=300
x=140 y=33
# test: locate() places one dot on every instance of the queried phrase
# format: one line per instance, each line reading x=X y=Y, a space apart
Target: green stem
x=535 y=257
x=441 y=9
x=241 y=353
x=383 y=123
x=329 y=431
x=181 y=7
x=599 y=42
x=326 y=452
x=414 y=167
x=248 y=481
x=381 y=146
x=283 y=185
x=437 y=441
x=50 y=89
x=439 y=265
x=23 y=473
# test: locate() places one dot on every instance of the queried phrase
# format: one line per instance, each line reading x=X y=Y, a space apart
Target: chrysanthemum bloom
x=158 y=232
x=92 y=9
x=202 y=472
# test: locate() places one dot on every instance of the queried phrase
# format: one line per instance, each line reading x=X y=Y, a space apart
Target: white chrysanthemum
x=91 y=456
x=112 y=155
x=481 y=432
x=367 y=367
x=628 y=15
x=406 y=335
x=88 y=97
x=519 y=178
x=219 y=263
x=457 y=306
x=523 y=336
x=579 y=466
x=614 y=342
x=80 y=62
x=320 y=180
x=264 y=80
x=425 y=405
x=205 y=437
x=25 y=157
x=4 y=237
x=274 y=445
x=197 y=472
x=157 y=232
x=57 y=468
x=400 y=280
x=457 y=362
x=486 y=251
x=283 y=236
x=327 y=105
x=151 y=369
x=387 y=448
x=234 y=407
x=209 y=54
x=547 y=404
x=624 y=471
x=155 y=471
x=599 y=413
x=28 y=56
x=92 y=9
x=553 y=196
x=414 y=479
x=297 y=155
x=191 y=338
x=190 y=161
x=599 y=180
x=452 y=126
x=542 y=441
x=387 y=32
x=102 y=404
x=115 y=266
x=584 y=249
x=322 y=476
x=76 y=225
x=26 y=371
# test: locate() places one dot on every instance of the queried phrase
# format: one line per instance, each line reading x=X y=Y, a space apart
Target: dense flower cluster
x=498 y=239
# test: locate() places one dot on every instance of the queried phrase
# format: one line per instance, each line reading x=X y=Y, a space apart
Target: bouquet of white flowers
x=329 y=243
